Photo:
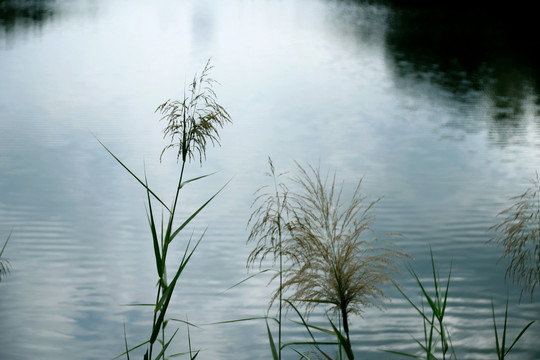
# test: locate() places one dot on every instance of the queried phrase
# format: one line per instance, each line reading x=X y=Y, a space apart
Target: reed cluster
x=322 y=242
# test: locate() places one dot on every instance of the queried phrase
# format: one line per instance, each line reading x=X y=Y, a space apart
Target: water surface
x=366 y=89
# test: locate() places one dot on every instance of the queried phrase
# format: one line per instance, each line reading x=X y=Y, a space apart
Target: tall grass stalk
x=268 y=225
x=191 y=123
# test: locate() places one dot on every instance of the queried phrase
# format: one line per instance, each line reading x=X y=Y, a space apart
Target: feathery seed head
x=195 y=120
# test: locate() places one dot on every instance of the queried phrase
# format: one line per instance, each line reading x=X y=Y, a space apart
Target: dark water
x=437 y=108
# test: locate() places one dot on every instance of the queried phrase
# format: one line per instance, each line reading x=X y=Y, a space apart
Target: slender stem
x=443 y=341
x=345 y=322
x=280 y=266
x=155 y=317
x=163 y=336
x=280 y=292
x=173 y=210
x=179 y=185
x=162 y=287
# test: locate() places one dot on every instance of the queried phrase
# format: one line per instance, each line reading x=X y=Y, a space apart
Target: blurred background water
x=436 y=107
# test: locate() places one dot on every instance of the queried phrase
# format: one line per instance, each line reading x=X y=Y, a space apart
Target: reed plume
x=327 y=258
x=519 y=234
x=334 y=262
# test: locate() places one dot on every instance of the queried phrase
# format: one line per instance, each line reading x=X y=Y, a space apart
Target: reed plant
x=268 y=229
x=4 y=263
x=519 y=235
x=334 y=262
x=192 y=123
x=320 y=242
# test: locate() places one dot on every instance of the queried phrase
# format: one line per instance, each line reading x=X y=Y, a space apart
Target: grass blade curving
x=188 y=220
x=344 y=342
x=132 y=174
x=500 y=347
x=271 y=341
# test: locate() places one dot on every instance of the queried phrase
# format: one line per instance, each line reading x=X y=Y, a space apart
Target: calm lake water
x=437 y=109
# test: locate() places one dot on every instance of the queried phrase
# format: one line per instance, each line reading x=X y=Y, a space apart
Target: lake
x=437 y=109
